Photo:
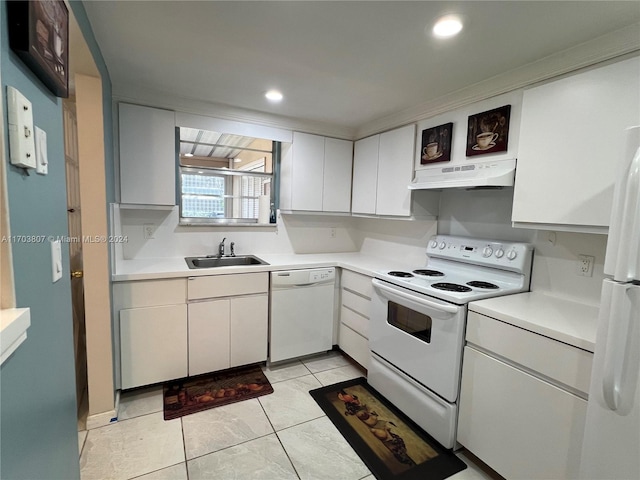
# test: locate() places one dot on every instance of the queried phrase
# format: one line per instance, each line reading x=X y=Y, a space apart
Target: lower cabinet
x=153 y=344
x=176 y=328
x=228 y=321
x=227 y=333
x=522 y=412
x=353 y=333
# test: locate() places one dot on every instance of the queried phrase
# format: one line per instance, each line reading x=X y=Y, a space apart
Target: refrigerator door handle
x=621 y=352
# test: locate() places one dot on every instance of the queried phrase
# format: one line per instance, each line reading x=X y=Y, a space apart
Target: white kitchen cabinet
x=383 y=169
x=150 y=328
x=209 y=330
x=395 y=171
x=338 y=164
x=249 y=329
x=317 y=174
x=147 y=155
x=228 y=321
x=153 y=344
x=521 y=412
x=353 y=334
x=571 y=141
x=365 y=175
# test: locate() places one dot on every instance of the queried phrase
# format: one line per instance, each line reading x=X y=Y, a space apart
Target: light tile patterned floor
x=280 y=436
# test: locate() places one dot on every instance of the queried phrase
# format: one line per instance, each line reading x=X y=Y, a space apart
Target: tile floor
x=284 y=435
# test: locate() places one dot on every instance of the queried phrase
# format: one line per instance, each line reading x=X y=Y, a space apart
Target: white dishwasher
x=301 y=312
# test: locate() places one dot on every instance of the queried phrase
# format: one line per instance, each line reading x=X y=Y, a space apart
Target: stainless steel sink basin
x=213 y=261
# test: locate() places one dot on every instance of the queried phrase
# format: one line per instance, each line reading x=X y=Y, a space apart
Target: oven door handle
x=422 y=300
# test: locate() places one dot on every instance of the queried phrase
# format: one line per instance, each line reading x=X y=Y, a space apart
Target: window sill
x=13 y=331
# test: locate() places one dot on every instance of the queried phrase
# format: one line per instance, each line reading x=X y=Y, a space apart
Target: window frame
x=228 y=174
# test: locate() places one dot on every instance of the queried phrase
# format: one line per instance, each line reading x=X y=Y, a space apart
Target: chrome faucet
x=233 y=252
x=221 y=248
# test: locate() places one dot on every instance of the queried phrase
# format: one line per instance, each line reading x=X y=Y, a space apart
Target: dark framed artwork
x=436 y=144
x=39 y=35
x=488 y=132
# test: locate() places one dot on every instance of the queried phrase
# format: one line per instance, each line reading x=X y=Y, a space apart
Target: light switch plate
x=56 y=260
x=42 y=159
x=22 y=150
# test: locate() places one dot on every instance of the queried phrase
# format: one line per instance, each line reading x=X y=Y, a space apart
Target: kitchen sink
x=213 y=261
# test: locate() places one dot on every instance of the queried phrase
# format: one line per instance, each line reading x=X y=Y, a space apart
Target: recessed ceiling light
x=188 y=155
x=447 y=26
x=274 y=96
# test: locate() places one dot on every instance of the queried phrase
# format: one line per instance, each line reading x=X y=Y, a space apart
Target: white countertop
x=557 y=318
x=14 y=323
x=154 y=268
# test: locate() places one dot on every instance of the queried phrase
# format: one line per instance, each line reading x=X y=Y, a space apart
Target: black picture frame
x=436 y=144
x=488 y=132
x=39 y=35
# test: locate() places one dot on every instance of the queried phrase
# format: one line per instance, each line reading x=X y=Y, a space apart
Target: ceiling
x=341 y=63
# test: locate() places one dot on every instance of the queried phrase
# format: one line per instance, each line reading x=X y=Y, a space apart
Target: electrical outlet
x=332 y=232
x=149 y=231
x=584 y=267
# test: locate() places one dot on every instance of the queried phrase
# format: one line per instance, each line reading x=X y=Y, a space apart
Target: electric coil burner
x=451 y=287
x=479 y=284
x=428 y=273
x=400 y=274
x=418 y=322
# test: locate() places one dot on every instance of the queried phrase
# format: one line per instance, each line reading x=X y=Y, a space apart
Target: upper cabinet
x=316 y=174
x=571 y=143
x=147 y=155
x=382 y=171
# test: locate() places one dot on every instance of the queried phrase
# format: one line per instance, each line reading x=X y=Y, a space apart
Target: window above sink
x=226 y=179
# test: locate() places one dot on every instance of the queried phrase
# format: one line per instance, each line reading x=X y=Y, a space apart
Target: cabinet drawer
x=354 y=345
x=357 y=283
x=357 y=303
x=558 y=361
x=519 y=425
x=355 y=321
x=149 y=293
x=227 y=285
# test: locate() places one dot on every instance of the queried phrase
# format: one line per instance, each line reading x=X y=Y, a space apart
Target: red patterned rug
x=194 y=394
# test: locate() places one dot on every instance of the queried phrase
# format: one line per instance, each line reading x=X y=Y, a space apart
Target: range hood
x=496 y=173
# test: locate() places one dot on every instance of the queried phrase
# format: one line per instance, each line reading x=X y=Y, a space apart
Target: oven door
x=420 y=335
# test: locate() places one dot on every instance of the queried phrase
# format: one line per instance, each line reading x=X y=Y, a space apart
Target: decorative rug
x=194 y=394
x=388 y=442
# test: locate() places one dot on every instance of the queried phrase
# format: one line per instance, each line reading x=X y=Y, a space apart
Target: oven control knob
x=442 y=245
x=487 y=251
x=499 y=253
x=434 y=243
x=512 y=254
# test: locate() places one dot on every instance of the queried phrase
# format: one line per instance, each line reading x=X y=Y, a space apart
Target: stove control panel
x=512 y=256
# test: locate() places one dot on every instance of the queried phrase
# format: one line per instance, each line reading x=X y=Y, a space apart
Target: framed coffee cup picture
x=39 y=35
x=436 y=144
x=488 y=132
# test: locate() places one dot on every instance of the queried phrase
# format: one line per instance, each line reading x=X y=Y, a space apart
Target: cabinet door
x=571 y=141
x=365 y=175
x=208 y=336
x=395 y=171
x=519 y=425
x=307 y=171
x=249 y=324
x=338 y=163
x=153 y=344
x=147 y=155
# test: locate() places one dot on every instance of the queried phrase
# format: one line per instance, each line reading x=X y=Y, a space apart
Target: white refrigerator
x=611 y=445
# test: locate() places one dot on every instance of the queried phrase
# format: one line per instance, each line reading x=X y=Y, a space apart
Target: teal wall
x=38 y=420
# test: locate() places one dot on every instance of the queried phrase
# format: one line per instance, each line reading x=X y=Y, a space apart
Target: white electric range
x=418 y=321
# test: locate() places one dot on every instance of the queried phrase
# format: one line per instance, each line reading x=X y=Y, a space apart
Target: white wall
x=487 y=214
